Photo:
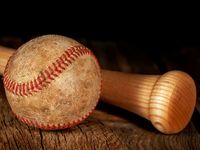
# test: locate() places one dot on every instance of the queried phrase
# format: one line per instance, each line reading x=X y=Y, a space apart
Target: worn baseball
x=52 y=82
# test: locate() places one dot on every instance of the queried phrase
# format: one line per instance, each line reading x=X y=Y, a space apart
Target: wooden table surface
x=110 y=127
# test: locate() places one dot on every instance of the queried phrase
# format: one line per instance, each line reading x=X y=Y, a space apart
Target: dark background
x=140 y=25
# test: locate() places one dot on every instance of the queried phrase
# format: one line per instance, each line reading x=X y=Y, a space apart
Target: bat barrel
x=168 y=100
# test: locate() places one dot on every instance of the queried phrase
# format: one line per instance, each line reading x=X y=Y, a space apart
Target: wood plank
x=102 y=130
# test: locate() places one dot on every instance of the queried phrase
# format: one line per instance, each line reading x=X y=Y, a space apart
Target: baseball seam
x=46 y=76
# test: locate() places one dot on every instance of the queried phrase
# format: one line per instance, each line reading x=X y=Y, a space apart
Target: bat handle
x=5 y=53
x=168 y=100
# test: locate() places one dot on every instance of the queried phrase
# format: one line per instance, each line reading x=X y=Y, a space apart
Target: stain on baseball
x=52 y=82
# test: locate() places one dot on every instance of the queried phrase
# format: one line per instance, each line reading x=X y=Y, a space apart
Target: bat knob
x=172 y=102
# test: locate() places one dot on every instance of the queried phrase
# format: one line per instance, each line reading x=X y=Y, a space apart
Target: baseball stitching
x=46 y=76
x=44 y=79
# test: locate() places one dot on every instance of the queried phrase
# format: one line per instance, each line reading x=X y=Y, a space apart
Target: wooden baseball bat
x=166 y=100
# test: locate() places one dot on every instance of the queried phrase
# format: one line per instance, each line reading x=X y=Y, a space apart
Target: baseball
x=52 y=82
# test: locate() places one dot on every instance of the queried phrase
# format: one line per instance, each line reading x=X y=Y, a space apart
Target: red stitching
x=16 y=89
x=46 y=76
x=20 y=89
x=23 y=89
x=10 y=84
x=56 y=68
x=60 y=62
x=13 y=87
